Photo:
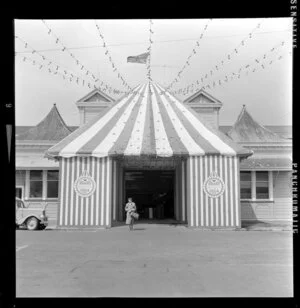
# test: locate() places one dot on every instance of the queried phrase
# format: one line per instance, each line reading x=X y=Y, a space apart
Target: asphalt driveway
x=154 y=261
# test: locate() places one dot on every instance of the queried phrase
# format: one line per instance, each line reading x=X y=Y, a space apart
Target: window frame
x=40 y=197
x=46 y=185
x=253 y=186
x=44 y=189
x=22 y=190
x=268 y=185
x=247 y=181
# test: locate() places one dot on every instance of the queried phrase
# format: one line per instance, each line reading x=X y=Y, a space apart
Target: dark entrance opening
x=152 y=191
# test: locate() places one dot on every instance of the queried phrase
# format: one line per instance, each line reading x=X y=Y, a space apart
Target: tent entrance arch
x=152 y=191
x=152 y=185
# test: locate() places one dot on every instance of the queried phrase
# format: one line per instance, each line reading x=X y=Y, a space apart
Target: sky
x=267 y=92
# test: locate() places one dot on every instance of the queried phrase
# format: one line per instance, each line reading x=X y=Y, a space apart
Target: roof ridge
x=60 y=117
x=93 y=92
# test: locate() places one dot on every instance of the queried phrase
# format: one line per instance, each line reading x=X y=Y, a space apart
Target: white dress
x=130 y=208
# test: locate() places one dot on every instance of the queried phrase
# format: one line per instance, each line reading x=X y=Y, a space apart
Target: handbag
x=135 y=215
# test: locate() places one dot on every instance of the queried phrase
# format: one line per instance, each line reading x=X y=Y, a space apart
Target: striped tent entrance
x=148 y=129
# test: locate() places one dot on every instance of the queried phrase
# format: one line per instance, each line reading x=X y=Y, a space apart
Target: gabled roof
x=96 y=95
x=147 y=122
x=52 y=127
x=201 y=92
x=246 y=129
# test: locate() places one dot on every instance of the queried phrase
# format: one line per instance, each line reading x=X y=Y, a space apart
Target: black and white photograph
x=153 y=157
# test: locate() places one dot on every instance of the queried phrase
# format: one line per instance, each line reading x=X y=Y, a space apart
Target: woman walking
x=130 y=208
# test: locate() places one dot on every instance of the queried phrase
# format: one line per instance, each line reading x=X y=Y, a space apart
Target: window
x=245 y=179
x=19 y=192
x=52 y=184
x=255 y=185
x=262 y=185
x=36 y=184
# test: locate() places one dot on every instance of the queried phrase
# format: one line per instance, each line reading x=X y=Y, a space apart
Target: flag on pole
x=142 y=58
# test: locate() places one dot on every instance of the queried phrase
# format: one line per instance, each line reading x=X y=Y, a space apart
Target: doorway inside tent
x=153 y=193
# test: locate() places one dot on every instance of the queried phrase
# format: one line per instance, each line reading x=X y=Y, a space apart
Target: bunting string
x=238 y=75
x=257 y=60
x=227 y=58
x=77 y=61
x=68 y=73
x=187 y=63
x=214 y=77
x=68 y=76
x=262 y=62
x=148 y=65
x=55 y=68
x=236 y=50
x=72 y=78
x=108 y=55
x=159 y=41
x=47 y=61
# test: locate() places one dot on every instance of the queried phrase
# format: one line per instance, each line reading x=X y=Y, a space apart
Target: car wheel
x=32 y=223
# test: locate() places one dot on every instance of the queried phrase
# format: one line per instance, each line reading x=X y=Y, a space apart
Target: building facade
x=266 y=178
x=87 y=185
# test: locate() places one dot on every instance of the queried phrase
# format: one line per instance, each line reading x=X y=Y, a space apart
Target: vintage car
x=31 y=218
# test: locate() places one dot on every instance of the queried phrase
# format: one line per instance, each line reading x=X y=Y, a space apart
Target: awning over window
x=266 y=163
x=35 y=162
x=147 y=122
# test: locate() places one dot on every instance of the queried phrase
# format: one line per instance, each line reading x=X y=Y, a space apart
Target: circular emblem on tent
x=85 y=185
x=214 y=186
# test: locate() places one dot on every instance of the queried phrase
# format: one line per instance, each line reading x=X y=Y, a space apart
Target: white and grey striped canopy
x=151 y=122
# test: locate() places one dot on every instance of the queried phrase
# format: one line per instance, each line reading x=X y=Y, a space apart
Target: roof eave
x=97 y=90
x=201 y=91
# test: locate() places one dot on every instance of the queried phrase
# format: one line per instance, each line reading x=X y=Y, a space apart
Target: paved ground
x=154 y=260
x=258 y=225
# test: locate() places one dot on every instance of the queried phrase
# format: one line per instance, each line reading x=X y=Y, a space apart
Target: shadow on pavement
x=266 y=225
x=249 y=225
x=170 y=222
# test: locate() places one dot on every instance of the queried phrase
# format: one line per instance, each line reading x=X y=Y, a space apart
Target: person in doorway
x=130 y=208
